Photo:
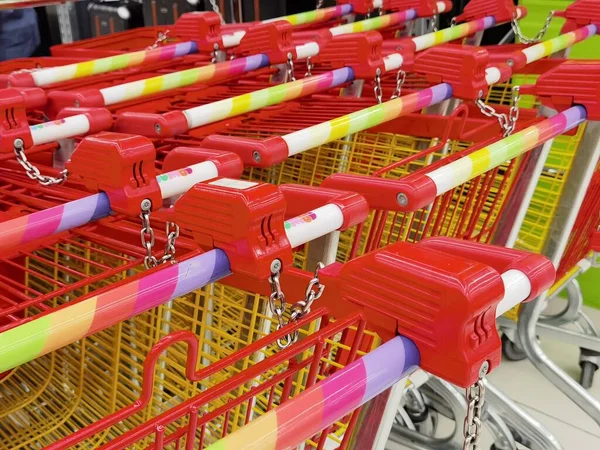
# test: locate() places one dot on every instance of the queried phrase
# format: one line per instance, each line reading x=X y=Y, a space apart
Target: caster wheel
x=588 y=370
x=511 y=351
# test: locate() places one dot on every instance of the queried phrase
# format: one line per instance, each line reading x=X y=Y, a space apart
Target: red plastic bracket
x=254 y=153
x=300 y=199
x=14 y=104
x=446 y=303
x=571 y=83
x=122 y=166
x=244 y=219
x=405 y=47
x=461 y=66
x=579 y=14
x=164 y=125
x=204 y=28
x=228 y=164
x=58 y=100
x=359 y=51
x=424 y=8
x=501 y=10
x=273 y=39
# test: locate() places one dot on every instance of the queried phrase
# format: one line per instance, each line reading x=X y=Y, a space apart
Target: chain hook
x=290 y=68
x=32 y=171
x=377 y=87
x=526 y=40
x=159 y=39
x=434 y=21
x=148 y=238
x=309 y=67
x=400 y=78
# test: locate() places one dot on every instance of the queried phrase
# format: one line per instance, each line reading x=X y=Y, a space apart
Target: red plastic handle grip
x=300 y=198
x=537 y=268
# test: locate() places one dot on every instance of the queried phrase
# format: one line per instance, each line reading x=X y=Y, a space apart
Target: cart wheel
x=588 y=369
x=511 y=351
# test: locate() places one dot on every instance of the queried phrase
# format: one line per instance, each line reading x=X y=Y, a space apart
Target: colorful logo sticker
x=296 y=221
x=48 y=124
x=175 y=174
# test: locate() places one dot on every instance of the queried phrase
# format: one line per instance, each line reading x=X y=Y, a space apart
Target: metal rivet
x=256 y=156
x=510 y=62
x=402 y=199
x=157 y=128
x=480 y=94
x=485 y=367
x=76 y=103
x=146 y=205
x=275 y=266
x=18 y=143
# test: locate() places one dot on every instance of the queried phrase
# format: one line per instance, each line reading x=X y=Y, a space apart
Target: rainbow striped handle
x=315 y=16
x=76 y=321
x=464 y=169
x=450 y=34
x=213 y=112
x=52 y=221
x=304 y=416
x=52 y=75
x=375 y=23
x=154 y=85
x=311 y=137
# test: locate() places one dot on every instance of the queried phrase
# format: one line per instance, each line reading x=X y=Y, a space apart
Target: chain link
x=524 y=39
x=148 y=238
x=216 y=9
x=299 y=309
x=400 y=78
x=434 y=21
x=319 y=4
x=377 y=87
x=453 y=22
x=159 y=40
x=214 y=53
x=475 y=402
x=290 y=68
x=33 y=172
x=309 y=67
x=508 y=122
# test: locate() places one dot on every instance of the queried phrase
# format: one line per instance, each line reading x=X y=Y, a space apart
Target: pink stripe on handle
x=42 y=223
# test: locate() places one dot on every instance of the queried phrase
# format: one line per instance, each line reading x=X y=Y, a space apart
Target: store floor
x=533 y=392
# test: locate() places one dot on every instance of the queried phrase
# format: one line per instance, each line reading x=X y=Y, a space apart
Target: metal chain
x=159 y=39
x=33 y=172
x=524 y=39
x=475 y=401
x=400 y=78
x=309 y=67
x=507 y=122
x=453 y=22
x=290 y=68
x=278 y=306
x=319 y=4
x=216 y=9
x=380 y=11
x=377 y=87
x=214 y=53
x=434 y=21
x=148 y=238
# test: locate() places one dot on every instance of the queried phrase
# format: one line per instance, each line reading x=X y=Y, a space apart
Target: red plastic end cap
x=273 y=39
x=152 y=125
x=457 y=296
x=301 y=199
x=228 y=164
x=14 y=123
x=100 y=119
x=582 y=89
x=57 y=100
x=502 y=10
x=406 y=47
x=461 y=66
x=359 y=51
x=121 y=165
x=537 y=268
x=595 y=241
x=35 y=98
x=253 y=153
x=204 y=28
x=358 y=6
x=581 y=13
x=24 y=79
x=424 y=8
x=244 y=219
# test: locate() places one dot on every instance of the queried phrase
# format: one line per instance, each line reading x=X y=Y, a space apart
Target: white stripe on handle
x=47 y=132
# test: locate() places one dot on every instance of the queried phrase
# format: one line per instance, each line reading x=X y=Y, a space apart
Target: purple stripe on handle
x=185 y=48
x=349 y=384
x=410 y=14
x=489 y=22
x=156 y=288
x=378 y=363
x=80 y=212
x=440 y=92
x=256 y=62
x=42 y=224
x=201 y=270
x=341 y=76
